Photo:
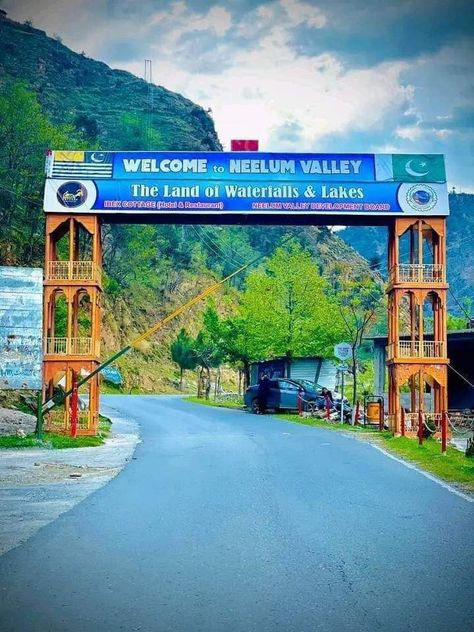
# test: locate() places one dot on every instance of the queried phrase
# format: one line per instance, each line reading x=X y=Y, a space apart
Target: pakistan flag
x=418 y=168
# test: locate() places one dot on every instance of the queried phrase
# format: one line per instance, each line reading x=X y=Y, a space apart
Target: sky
x=336 y=76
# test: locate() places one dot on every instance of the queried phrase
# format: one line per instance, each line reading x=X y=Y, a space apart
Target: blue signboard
x=21 y=304
x=112 y=374
x=245 y=182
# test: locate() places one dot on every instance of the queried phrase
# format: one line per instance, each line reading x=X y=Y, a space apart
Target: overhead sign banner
x=21 y=306
x=245 y=182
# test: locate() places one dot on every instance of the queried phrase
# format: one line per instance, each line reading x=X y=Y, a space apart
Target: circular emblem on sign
x=421 y=197
x=71 y=194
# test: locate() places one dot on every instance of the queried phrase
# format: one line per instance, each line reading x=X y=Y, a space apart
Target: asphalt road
x=227 y=521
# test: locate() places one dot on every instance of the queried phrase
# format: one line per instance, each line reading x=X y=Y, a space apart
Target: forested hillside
x=52 y=97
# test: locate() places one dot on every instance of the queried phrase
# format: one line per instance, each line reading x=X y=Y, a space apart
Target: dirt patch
x=47 y=473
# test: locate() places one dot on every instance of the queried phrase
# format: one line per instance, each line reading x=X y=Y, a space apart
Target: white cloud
x=303 y=13
x=244 y=66
x=180 y=20
x=409 y=132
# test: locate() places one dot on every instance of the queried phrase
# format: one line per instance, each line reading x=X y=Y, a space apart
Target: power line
x=214 y=247
x=20 y=195
x=233 y=259
x=450 y=366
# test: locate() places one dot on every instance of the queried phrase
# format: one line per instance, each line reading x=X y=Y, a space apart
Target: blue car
x=283 y=394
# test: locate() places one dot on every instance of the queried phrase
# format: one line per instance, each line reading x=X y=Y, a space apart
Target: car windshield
x=307 y=384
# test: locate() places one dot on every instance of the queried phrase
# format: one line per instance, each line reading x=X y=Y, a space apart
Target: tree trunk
x=246 y=374
x=199 y=393
x=354 y=376
x=181 y=372
x=208 y=383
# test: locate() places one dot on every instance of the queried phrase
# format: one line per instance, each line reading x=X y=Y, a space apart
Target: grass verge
x=59 y=441
x=454 y=467
x=211 y=402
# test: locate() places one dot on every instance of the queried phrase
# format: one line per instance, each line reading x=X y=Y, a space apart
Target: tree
x=287 y=310
x=182 y=352
x=25 y=134
x=208 y=356
x=360 y=298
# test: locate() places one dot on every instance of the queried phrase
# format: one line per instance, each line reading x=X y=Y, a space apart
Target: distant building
x=312 y=368
x=461 y=356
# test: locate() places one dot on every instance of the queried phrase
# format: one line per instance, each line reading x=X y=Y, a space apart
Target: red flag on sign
x=244 y=145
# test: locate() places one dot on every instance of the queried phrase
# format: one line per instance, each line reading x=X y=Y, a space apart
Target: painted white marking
x=411 y=466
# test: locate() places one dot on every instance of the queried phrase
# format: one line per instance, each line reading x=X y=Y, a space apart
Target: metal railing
x=416 y=349
x=71 y=346
x=417 y=273
x=73 y=271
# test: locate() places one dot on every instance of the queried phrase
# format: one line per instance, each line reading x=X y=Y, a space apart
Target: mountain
x=371 y=242
x=94 y=98
x=150 y=269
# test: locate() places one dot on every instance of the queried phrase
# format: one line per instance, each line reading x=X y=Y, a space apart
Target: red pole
x=402 y=422
x=300 y=404
x=381 y=414
x=444 y=432
x=74 y=402
x=420 y=427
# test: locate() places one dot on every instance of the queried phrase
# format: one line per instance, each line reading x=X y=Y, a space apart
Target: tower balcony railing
x=73 y=271
x=58 y=421
x=416 y=349
x=417 y=273
x=72 y=346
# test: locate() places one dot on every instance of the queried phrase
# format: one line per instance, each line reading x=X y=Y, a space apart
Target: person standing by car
x=262 y=393
x=328 y=401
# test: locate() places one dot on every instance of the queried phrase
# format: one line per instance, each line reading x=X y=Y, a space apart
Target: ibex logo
x=71 y=194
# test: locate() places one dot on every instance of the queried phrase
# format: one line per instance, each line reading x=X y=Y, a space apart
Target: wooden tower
x=417 y=321
x=72 y=293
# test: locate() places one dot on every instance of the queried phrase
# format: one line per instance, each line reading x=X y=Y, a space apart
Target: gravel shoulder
x=37 y=485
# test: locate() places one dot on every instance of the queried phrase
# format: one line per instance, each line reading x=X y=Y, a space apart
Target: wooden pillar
x=73 y=358
x=413 y=365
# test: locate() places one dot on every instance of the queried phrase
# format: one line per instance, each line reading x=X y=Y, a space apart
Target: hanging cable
x=215 y=248
x=208 y=239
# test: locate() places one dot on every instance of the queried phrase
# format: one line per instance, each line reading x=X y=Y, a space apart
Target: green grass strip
x=60 y=441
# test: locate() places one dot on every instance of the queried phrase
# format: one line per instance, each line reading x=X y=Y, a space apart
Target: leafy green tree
x=360 y=300
x=182 y=352
x=25 y=134
x=208 y=349
x=286 y=309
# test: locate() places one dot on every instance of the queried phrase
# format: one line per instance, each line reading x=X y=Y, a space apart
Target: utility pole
x=148 y=76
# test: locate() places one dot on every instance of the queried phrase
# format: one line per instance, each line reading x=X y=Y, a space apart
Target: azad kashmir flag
x=410 y=167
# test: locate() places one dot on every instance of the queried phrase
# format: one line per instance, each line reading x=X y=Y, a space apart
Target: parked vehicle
x=283 y=395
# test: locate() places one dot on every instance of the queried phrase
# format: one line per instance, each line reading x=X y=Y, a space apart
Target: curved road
x=225 y=521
